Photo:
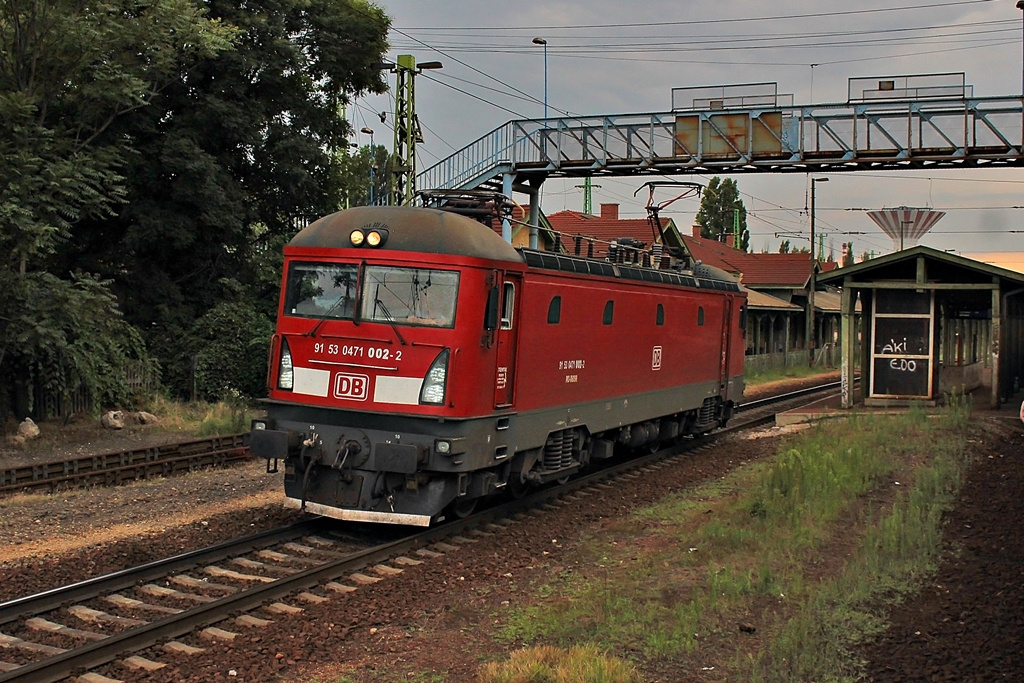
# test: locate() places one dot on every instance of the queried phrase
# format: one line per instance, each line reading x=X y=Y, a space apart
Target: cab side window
x=508 y=306
x=555 y=310
x=660 y=317
x=700 y=315
x=609 y=313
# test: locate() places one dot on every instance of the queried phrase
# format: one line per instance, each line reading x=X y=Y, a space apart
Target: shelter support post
x=848 y=343
x=785 y=348
x=995 y=345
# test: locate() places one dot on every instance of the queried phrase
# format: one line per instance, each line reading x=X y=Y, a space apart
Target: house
x=594 y=234
x=778 y=323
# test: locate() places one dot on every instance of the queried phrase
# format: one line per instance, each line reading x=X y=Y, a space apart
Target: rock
x=145 y=418
x=112 y=419
x=28 y=429
x=16 y=441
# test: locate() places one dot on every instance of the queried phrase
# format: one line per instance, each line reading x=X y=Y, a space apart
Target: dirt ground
x=966 y=625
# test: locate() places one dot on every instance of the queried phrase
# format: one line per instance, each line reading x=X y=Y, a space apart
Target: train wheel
x=516 y=487
x=462 y=508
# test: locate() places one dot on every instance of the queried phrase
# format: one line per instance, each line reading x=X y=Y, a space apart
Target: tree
x=356 y=176
x=70 y=70
x=784 y=247
x=848 y=258
x=233 y=159
x=720 y=210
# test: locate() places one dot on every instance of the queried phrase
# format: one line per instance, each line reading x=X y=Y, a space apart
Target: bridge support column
x=506 y=224
x=534 y=219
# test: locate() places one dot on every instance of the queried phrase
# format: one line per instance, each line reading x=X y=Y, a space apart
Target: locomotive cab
x=392 y=340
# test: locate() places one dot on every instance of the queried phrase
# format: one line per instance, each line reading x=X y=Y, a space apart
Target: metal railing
x=895 y=134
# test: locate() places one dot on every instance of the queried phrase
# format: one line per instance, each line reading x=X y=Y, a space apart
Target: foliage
x=720 y=208
x=227 y=349
x=66 y=333
x=356 y=176
x=68 y=72
x=233 y=159
x=848 y=257
x=785 y=247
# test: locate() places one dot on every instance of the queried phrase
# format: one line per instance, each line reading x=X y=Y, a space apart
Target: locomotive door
x=723 y=368
x=505 y=341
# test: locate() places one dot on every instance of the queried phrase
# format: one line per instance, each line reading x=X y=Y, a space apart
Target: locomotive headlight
x=376 y=238
x=443 y=447
x=435 y=383
x=259 y=425
x=285 y=372
x=356 y=237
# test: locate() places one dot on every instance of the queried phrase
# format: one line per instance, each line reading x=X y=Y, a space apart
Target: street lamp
x=1020 y=6
x=369 y=131
x=813 y=283
x=540 y=41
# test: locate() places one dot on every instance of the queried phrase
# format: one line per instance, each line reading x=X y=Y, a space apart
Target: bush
x=229 y=346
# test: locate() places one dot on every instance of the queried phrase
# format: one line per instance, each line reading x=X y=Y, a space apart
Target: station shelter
x=931 y=323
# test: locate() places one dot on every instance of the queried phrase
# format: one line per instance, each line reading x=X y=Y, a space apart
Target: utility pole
x=588 y=192
x=541 y=41
x=812 y=284
x=407 y=128
x=373 y=157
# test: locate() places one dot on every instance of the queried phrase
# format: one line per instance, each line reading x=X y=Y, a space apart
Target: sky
x=609 y=57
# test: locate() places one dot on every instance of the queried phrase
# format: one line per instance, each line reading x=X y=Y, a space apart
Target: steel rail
x=102 y=652
x=98 y=653
x=29 y=605
x=120 y=467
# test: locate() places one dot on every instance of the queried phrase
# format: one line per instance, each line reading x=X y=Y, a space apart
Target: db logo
x=355 y=387
x=656 y=358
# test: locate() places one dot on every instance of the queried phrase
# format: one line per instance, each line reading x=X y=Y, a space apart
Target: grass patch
x=201 y=418
x=23 y=499
x=548 y=664
x=795 y=548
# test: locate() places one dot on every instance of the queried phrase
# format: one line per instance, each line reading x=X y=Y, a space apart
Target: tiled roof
x=757 y=270
x=603 y=229
x=765 y=302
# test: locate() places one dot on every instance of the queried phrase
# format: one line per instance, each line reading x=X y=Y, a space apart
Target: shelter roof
x=759 y=301
x=939 y=266
x=828 y=301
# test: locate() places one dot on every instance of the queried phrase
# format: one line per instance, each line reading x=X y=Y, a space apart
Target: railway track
x=196 y=600
x=121 y=467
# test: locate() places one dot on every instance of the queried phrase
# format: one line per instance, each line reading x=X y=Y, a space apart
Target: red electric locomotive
x=420 y=363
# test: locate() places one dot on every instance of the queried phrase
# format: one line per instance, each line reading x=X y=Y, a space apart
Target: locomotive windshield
x=409 y=296
x=321 y=290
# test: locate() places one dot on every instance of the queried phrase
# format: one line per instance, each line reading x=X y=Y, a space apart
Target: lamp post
x=1020 y=6
x=812 y=282
x=407 y=128
x=540 y=41
x=369 y=131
